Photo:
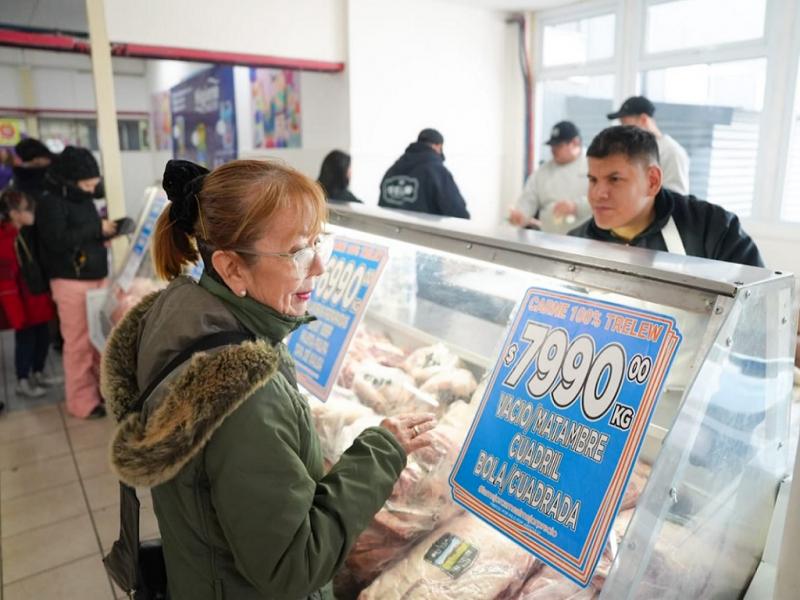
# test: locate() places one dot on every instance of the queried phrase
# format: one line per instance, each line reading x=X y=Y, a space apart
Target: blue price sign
x=561 y=422
x=338 y=301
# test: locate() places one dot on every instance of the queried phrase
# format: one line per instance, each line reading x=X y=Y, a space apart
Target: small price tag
x=339 y=300
x=559 y=427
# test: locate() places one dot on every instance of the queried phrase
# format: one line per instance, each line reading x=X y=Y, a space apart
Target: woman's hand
x=410 y=430
x=109 y=228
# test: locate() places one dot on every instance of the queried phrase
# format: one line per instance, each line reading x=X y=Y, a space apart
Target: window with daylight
x=578 y=42
x=790 y=208
x=584 y=100
x=708 y=110
x=684 y=24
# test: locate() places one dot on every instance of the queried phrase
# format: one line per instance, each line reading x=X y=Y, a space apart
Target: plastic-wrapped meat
x=338 y=422
x=139 y=288
x=367 y=346
x=549 y=584
x=389 y=391
x=426 y=362
x=639 y=477
x=420 y=501
x=449 y=385
x=463 y=558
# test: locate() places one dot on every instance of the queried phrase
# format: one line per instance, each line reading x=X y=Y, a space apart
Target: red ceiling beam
x=43 y=41
x=63 y=43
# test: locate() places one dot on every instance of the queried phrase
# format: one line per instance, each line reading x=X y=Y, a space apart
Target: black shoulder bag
x=137 y=567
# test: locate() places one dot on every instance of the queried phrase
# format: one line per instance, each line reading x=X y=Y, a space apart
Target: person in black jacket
x=420 y=182
x=72 y=239
x=629 y=205
x=36 y=158
x=334 y=177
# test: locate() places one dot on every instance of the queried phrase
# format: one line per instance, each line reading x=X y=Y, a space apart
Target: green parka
x=228 y=447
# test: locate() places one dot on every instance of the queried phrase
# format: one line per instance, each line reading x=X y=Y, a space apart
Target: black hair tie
x=183 y=181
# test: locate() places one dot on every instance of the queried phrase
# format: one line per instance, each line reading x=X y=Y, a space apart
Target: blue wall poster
x=558 y=430
x=204 y=117
x=339 y=300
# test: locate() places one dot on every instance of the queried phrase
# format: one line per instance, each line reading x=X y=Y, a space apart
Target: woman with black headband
x=227 y=445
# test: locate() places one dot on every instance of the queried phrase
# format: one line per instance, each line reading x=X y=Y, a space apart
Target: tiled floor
x=59 y=501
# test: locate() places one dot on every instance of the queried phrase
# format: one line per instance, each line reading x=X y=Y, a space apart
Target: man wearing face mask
x=630 y=206
x=72 y=239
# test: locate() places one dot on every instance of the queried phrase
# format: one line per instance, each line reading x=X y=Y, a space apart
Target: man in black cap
x=639 y=111
x=554 y=196
x=29 y=176
x=420 y=182
x=630 y=206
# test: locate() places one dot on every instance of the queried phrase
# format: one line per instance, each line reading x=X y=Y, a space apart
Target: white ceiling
x=514 y=5
x=70 y=15
x=65 y=15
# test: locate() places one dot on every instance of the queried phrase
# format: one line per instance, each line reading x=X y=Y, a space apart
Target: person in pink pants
x=72 y=239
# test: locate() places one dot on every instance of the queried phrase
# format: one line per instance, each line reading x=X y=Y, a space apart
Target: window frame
x=779 y=45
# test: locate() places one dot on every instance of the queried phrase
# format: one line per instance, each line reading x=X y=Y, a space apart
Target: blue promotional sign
x=204 y=117
x=560 y=425
x=338 y=301
x=142 y=241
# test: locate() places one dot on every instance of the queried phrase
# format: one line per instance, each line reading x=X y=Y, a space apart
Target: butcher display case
x=695 y=517
x=697 y=512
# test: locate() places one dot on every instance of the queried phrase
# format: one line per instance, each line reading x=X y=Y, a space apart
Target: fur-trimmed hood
x=191 y=404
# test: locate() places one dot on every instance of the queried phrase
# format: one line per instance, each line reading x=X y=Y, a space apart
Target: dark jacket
x=343 y=196
x=244 y=506
x=29 y=180
x=419 y=181
x=706 y=230
x=70 y=234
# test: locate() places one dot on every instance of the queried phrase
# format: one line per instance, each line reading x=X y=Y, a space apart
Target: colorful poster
x=560 y=425
x=204 y=118
x=162 y=121
x=275 y=98
x=338 y=301
x=11 y=131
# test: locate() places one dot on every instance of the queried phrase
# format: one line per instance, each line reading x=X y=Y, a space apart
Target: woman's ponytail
x=173 y=243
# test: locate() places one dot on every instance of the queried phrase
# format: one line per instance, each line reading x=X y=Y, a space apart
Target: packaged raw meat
x=463 y=558
x=426 y=362
x=338 y=422
x=639 y=477
x=449 y=385
x=549 y=584
x=368 y=346
x=389 y=391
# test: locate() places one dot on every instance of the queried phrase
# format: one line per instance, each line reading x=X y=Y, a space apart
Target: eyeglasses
x=322 y=247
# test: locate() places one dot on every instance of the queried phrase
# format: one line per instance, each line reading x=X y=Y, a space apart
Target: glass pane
x=715 y=118
x=583 y=100
x=693 y=23
x=790 y=208
x=579 y=42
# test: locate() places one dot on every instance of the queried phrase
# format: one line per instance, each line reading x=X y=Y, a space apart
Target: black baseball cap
x=563 y=131
x=430 y=136
x=634 y=106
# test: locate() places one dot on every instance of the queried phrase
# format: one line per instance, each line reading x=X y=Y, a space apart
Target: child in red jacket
x=27 y=312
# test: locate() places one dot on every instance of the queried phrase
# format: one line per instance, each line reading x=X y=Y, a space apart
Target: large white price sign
x=561 y=423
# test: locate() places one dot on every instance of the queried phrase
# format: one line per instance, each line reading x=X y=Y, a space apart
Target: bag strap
x=122 y=561
x=215 y=340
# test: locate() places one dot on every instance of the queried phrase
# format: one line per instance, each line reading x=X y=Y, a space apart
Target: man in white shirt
x=554 y=196
x=639 y=111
